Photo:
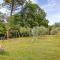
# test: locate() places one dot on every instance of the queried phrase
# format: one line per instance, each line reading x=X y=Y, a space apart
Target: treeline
x=30 y=21
x=13 y=32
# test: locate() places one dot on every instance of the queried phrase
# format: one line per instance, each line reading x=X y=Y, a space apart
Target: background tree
x=14 y=4
x=2 y=29
x=55 y=31
x=31 y=15
x=37 y=31
x=57 y=24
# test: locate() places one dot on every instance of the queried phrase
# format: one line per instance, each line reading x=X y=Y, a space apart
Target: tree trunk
x=7 y=34
x=12 y=4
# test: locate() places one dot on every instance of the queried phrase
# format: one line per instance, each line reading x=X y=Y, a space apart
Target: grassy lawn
x=31 y=48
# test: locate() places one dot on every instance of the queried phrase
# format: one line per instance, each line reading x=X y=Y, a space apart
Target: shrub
x=55 y=31
x=13 y=33
x=24 y=31
x=36 y=31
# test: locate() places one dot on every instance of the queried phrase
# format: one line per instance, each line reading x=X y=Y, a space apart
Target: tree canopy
x=23 y=22
x=14 y=3
x=31 y=15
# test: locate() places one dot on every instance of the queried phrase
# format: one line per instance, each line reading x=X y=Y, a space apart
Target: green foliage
x=25 y=31
x=2 y=28
x=15 y=1
x=1 y=17
x=24 y=22
x=57 y=25
x=33 y=15
x=55 y=31
x=36 y=31
x=30 y=16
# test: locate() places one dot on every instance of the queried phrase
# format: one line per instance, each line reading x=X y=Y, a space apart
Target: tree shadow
x=3 y=52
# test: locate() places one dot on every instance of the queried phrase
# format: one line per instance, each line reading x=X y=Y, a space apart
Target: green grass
x=31 y=48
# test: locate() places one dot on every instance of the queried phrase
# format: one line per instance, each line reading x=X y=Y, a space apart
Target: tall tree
x=14 y=3
x=31 y=15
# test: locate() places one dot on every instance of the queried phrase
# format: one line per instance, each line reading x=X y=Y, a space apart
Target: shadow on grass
x=3 y=52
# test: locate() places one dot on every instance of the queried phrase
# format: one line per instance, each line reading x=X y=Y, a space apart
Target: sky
x=51 y=7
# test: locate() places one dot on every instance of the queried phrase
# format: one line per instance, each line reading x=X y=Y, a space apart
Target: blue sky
x=1 y=1
x=51 y=7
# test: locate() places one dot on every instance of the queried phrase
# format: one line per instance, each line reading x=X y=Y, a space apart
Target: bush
x=55 y=31
x=24 y=31
x=36 y=31
x=13 y=33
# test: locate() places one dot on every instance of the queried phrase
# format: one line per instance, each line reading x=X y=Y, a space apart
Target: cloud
x=1 y=1
x=52 y=8
x=34 y=1
x=54 y=18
